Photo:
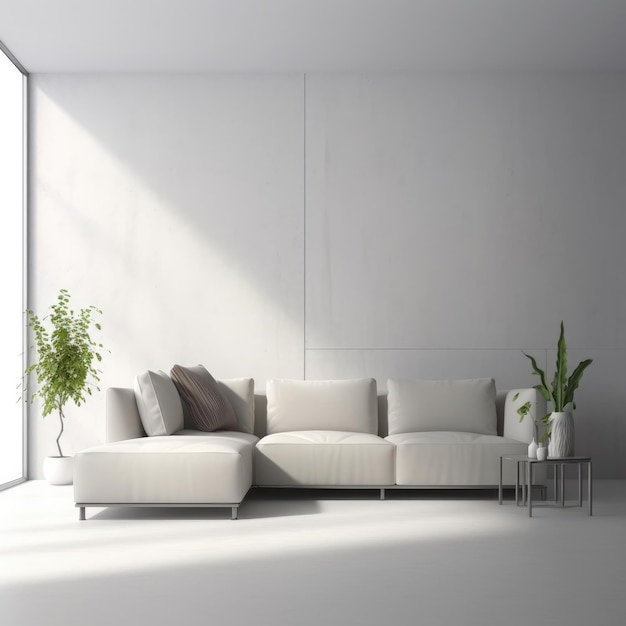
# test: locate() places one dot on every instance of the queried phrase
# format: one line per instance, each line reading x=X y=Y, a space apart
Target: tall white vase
x=561 y=435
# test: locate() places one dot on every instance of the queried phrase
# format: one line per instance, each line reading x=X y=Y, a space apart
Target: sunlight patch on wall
x=173 y=278
x=193 y=253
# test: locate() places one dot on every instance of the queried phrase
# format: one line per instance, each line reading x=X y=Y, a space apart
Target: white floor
x=314 y=558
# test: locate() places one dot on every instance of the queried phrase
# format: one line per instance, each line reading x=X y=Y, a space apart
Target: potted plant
x=65 y=369
x=560 y=394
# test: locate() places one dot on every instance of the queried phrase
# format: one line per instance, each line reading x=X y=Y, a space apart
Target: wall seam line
x=304 y=302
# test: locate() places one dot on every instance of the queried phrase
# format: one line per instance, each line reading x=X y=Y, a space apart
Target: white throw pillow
x=159 y=404
x=343 y=405
x=442 y=405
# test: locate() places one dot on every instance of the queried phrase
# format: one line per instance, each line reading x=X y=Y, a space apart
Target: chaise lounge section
x=187 y=468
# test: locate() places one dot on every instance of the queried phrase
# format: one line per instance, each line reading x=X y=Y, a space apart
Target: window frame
x=25 y=211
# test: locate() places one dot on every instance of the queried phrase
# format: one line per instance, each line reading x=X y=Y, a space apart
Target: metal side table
x=526 y=465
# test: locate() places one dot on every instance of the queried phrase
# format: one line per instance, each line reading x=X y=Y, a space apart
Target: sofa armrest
x=513 y=428
x=122 y=415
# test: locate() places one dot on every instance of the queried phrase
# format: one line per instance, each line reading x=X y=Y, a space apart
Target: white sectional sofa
x=334 y=433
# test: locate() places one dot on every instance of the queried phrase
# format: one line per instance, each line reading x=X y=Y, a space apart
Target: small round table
x=527 y=464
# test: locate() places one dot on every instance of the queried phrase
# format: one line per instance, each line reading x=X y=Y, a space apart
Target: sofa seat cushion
x=193 y=467
x=453 y=459
x=324 y=458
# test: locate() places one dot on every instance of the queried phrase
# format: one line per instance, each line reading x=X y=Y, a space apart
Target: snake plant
x=560 y=394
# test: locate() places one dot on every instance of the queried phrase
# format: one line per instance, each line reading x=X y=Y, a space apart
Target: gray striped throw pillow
x=204 y=406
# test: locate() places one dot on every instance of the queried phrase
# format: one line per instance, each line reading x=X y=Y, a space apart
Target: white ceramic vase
x=542 y=453
x=59 y=470
x=532 y=449
x=561 y=435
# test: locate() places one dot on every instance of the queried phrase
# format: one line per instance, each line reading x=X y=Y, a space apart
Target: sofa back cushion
x=343 y=405
x=240 y=394
x=442 y=405
x=158 y=403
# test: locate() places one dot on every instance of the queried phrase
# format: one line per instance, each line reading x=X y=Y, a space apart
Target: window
x=12 y=185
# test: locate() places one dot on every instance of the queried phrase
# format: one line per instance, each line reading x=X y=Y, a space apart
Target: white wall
x=446 y=223
x=174 y=204
x=452 y=221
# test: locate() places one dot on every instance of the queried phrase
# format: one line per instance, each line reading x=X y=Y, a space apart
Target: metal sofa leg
x=234 y=513
x=81 y=513
x=382 y=493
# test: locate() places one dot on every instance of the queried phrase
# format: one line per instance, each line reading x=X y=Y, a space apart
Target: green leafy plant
x=526 y=410
x=67 y=356
x=561 y=392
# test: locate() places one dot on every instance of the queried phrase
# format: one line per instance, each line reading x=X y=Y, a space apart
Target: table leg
x=529 y=472
x=589 y=488
x=562 y=485
x=517 y=484
x=500 y=484
x=524 y=484
x=555 y=474
x=580 y=484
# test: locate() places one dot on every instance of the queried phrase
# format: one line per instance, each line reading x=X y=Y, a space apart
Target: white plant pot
x=561 y=435
x=59 y=470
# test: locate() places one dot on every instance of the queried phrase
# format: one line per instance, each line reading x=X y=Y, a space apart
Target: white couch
x=421 y=434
